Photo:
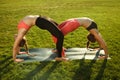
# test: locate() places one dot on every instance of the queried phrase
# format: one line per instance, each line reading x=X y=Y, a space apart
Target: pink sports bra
x=22 y=24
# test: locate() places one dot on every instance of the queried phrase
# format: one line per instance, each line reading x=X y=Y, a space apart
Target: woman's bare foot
x=54 y=50
x=64 y=48
x=61 y=59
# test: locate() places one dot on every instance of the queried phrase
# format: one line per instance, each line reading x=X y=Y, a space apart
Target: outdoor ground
x=106 y=14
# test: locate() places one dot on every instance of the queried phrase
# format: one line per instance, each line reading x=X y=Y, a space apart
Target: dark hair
x=22 y=42
x=88 y=44
x=90 y=38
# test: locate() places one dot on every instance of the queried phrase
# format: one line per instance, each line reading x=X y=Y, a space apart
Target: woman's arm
x=100 y=40
x=25 y=45
x=26 y=49
x=21 y=33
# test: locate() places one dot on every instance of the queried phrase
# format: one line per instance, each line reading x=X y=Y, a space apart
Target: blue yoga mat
x=46 y=54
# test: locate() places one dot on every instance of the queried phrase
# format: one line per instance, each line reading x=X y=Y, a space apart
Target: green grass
x=106 y=13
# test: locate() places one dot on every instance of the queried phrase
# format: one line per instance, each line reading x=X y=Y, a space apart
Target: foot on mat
x=61 y=59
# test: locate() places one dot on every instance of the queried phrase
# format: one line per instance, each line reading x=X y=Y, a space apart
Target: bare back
x=84 y=21
x=30 y=19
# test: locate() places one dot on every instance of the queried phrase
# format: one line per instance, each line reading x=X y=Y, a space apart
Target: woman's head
x=90 y=38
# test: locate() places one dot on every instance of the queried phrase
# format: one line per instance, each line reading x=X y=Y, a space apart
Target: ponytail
x=88 y=43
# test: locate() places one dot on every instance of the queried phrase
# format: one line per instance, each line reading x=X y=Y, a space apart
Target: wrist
x=14 y=58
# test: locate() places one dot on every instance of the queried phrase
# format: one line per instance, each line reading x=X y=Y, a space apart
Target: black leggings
x=92 y=26
x=47 y=25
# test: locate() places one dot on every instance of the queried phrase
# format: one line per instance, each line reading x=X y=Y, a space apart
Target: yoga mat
x=46 y=54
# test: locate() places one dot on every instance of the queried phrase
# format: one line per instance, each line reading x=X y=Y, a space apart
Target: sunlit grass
x=104 y=12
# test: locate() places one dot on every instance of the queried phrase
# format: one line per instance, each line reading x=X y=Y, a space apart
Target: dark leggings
x=92 y=26
x=47 y=25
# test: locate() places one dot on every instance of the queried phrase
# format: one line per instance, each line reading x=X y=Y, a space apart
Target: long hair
x=90 y=38
x=88 y=43
x=22 y=42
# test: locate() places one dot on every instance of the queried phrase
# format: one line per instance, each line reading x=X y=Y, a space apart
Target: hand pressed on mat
x=103 y=56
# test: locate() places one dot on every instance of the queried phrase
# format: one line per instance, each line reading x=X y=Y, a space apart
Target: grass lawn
x=106 y=14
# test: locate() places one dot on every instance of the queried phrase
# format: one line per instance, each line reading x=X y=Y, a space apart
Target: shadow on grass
x=46 y=75
x=85 y=70
x=38 y=69
x=4 y=66
x=100 y=74
x=6 y=59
